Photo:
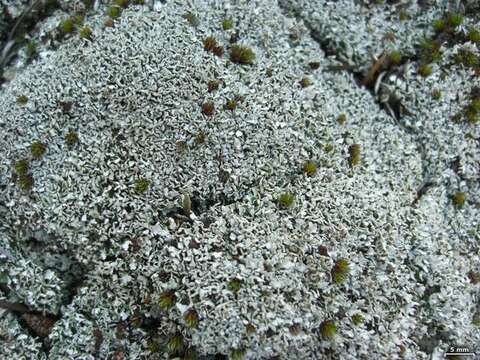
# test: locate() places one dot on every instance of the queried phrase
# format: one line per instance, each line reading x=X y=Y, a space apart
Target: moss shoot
x=305 y=82
x=227 y=24
x=25 y=182
x=240 y=54
x=309 y=168
x=191 y=318
x=37 y=149
x=167 y=299
x=354 y=152
x=67 y=26
x=85 y=32
x=286 y=200
x=459 y=198
x=328 y=329
x=234 y=285
x=424 y=70
x=208 y=108
x=71 y=138
x=114 y=12
x=142 y=185
x=22 y=99
x=21 y=166
x=340 y=271
x=174 y=343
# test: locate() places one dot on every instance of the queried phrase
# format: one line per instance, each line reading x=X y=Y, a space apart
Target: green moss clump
x=209 y=43
x=200 y=138
x=309 y=168
x=114 y=12
x=341 y=119
x=429 y=51
x=21 y=166
x=167 y=299
x=37 y=149
x=122 y=3
x=31 y=49
x=231 y=104
x=227 y=24
x=191 y=318
x=25 y=182
x=328 y=329
x=467 y=58
x=22 y=99
x=208 y=108
x=71 y=138
x=439 y=25
x=142 y=185
x=237 y=354
x=191 y=18
x=395 y=57
x=474 y=35
x=354 y=152
x=153 y=346
x=174 y=343
x=189 y=354
x=78 y=19
x=328 y=148
x=459 y=198
x=436 y=94
x=67 y=26
x=286 y=200
x=403 y=15
x=213 y=85
x=424 y=70
x=234 y=285
x=471 y=114
x=240 y=54
x=454 y=20
x=218 y=50
x=357 y=319
x=340 y=271
x=476 y=319
x=85 y=32
x=305 y=82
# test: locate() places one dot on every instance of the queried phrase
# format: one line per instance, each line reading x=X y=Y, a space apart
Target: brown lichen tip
x=208 y=108
x=240 y=54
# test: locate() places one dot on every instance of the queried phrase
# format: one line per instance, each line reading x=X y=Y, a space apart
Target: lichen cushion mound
x=150 y=224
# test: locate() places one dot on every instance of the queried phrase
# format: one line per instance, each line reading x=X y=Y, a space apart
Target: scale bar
x=460 y=353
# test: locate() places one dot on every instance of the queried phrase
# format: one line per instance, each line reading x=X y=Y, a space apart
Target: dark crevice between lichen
x=34 y=323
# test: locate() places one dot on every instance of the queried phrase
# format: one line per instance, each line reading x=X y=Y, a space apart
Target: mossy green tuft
x=37 y=149
x=328 y=329
x=240 y=54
